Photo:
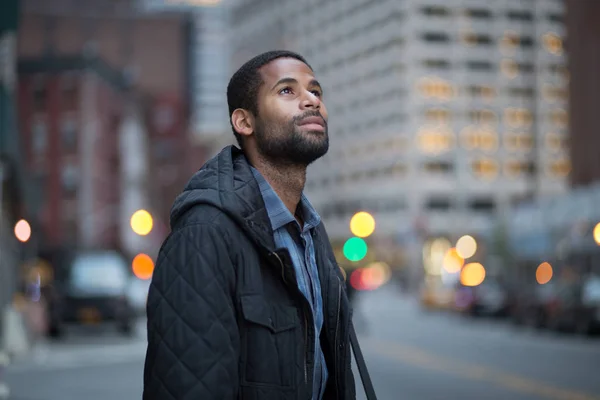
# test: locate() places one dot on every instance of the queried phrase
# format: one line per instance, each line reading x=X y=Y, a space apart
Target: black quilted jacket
x=225 y=317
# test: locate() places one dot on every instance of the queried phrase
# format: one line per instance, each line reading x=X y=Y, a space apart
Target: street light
x=141 y=222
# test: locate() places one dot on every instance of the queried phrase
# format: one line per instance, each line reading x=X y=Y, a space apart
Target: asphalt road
x=411 y=354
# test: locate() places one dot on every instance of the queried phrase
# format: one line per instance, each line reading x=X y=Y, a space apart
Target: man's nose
x=311 y=101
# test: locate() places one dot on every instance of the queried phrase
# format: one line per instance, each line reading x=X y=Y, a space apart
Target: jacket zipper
x=337 y=324
x=305 y=345
x=305 y=320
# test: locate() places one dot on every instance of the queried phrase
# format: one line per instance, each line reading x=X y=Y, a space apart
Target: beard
x=285 y=144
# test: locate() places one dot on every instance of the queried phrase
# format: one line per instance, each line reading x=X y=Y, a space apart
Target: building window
x=485 y=168
x=521 y=93
x=519 y=15
x=473 y=137
x=70 y=178
x=436 y=88
x=438 y=115
x=557 y=18
x=559 y=118
x=483 y=117
x=487 y=93
x=480 y=66
x=552 y=43
x=556 y=142
x=478 y=13
x=436 y=11
x=518 y=142
x=554 y=93
x=39 y=137
x=559 y=168
x=438 y=167
x=437 y=64
x=69 y=92
x=473 y=39
x=486 y=205
x=513 y=168
x=40 y=95
x=68 y=132
x=435 y=141
x=438 y=204
x=436 y=37
x=518 y=117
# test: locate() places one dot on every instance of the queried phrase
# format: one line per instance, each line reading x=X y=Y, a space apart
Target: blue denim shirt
x=302 y=251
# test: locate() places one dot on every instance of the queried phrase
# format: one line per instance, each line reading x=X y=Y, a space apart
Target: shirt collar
x=278 y=213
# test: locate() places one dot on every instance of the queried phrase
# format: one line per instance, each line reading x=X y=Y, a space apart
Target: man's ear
x=243 y=122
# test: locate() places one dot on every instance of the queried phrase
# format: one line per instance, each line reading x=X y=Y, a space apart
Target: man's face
x=291 y=126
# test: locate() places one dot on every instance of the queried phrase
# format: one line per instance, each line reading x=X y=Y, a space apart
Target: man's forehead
x=285 y=67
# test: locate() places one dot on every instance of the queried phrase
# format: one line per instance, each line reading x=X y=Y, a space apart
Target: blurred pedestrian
x=247 y=301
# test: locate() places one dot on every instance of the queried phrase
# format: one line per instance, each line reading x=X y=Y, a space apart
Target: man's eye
x=285 y=90
x=317 y=93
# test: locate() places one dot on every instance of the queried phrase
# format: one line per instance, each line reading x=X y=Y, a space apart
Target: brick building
x=152 y=51
x=69 y=117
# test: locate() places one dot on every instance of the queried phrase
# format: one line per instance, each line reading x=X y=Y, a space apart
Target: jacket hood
x=227 y=183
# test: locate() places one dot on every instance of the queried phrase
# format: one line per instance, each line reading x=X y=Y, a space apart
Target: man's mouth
x=312 y=124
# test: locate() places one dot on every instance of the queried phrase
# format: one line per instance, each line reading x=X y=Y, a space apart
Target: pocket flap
x=276 y=317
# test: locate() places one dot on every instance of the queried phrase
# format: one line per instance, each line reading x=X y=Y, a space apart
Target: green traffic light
x=355 y=249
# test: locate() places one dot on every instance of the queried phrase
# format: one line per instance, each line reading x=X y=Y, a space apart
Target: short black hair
x=242 y=90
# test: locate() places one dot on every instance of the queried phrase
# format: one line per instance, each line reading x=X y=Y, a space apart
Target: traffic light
x=141 y=222
x=355 y=249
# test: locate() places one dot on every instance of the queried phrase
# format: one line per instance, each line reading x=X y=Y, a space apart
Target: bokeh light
x=23 y=230
x=597 y=233
x=466 y=246
x=473 y=274
x=543 y=273
x=453 y=261
x=141 y=222
x=355 y=249
x=362 y=224
x=143 y=266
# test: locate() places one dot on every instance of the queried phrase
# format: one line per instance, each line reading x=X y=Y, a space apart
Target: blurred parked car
x=490 y=298
x=93 y=290
x=574 y=306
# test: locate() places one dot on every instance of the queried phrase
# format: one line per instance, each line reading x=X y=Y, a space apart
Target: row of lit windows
x=391 y=119
x=487 y=14
x=437 y=141
x=370 y=52
x=512 y=118
x=399 y=143
x=489 y=169
x=508 y=42
x=385 y=73
x=335 y=40
x=484 y=169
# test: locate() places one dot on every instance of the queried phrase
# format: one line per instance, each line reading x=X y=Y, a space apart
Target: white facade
x=431 y=103
x=210 y=60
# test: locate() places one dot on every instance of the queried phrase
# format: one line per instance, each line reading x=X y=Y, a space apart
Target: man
x=247 y=301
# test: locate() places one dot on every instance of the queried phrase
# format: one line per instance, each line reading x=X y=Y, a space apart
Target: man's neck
x=286 y=180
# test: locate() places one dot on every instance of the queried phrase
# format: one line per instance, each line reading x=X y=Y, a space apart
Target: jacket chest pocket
x=271 y=343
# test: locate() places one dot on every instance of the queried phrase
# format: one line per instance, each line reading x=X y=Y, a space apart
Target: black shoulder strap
x=362 y=367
